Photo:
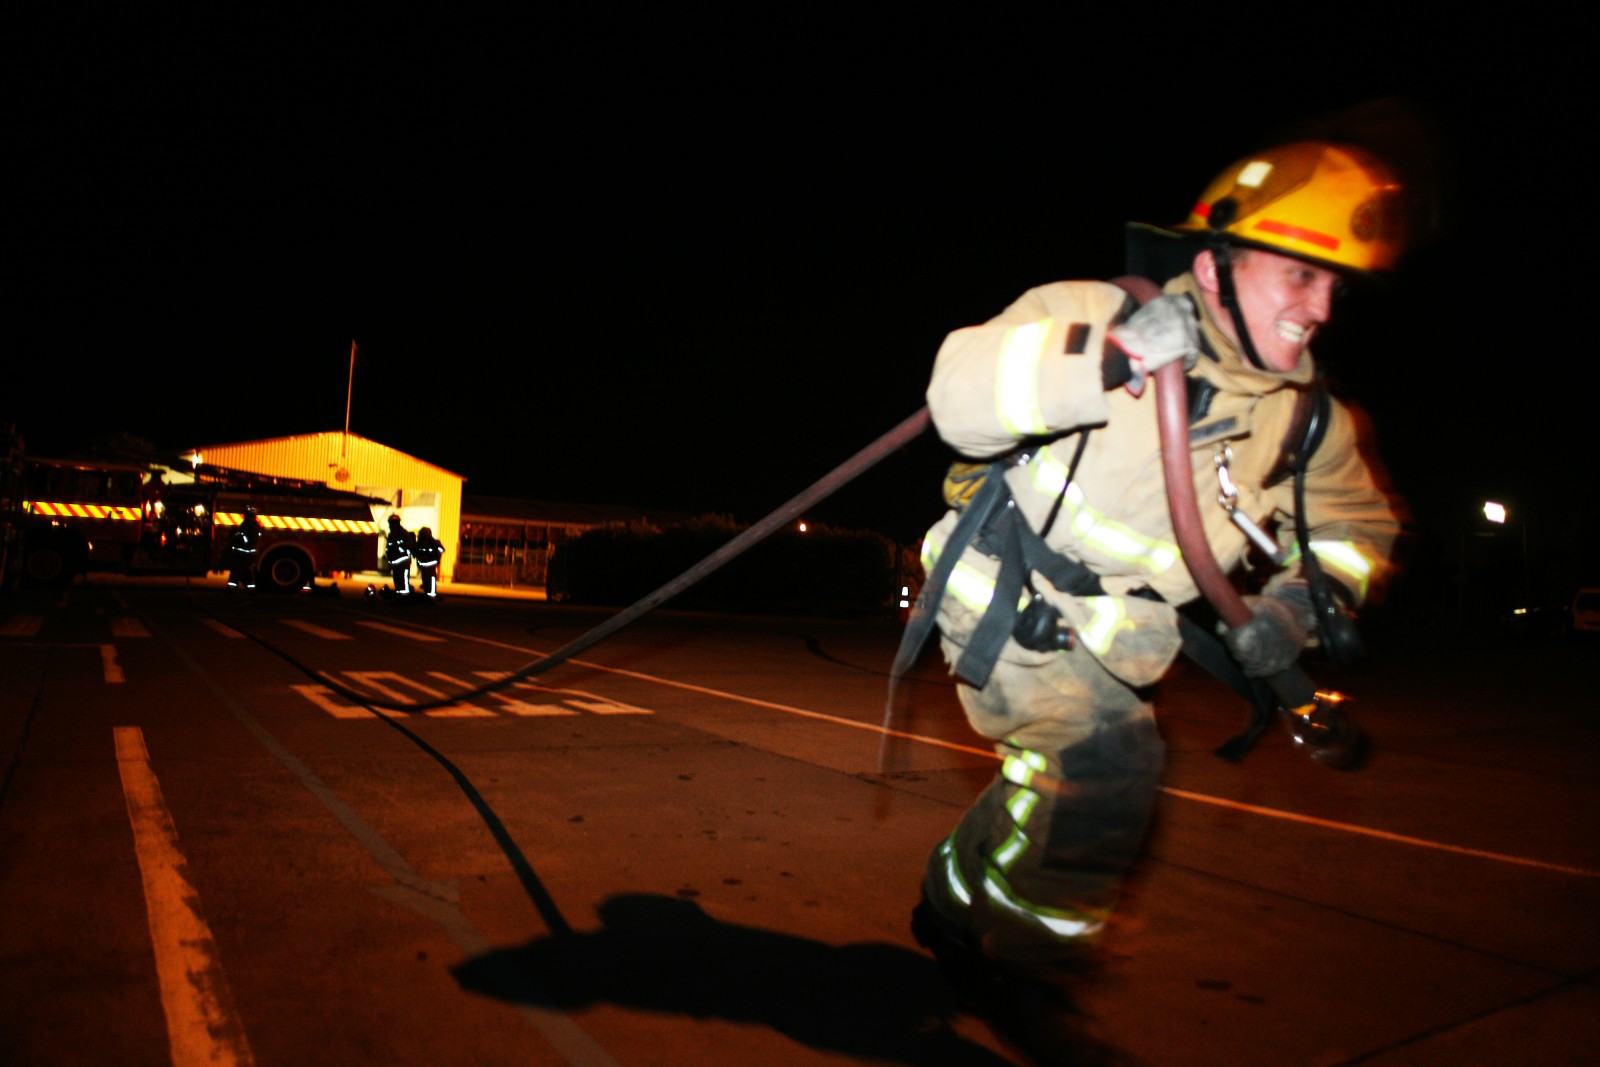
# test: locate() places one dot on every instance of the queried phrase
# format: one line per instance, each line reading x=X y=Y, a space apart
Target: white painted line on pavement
x=109 y=665
x=609 y=707
x=221 y=628
x=1274 y=813
x=509 y=705
x=121 y=626
x=330 y=702
x=316 y=631
x=593 y=702
x=400 y=631
x=1383 y=835
x=440 y=903
x=202 y=1025
x=1253 y=809
x=374 y=680
x=22 y=626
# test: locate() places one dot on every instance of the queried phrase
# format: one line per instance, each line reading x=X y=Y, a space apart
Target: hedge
x=820 y=571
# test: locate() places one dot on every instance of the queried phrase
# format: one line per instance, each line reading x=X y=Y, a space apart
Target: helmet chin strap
x=1221 y=253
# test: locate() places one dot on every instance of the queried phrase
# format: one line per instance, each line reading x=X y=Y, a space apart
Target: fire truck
x=75 y=516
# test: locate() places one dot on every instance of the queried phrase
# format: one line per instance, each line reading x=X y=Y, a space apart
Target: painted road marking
x=109 y=665
x=590 y=701
x=202 y=1025
x=222 y=628
x=508 y=705
x=872 y=727
x=392 y=687
x=328 y=701
x=316 y=631
x=460 y=710
x=400 y=631
x=126 y=627
x=607 y=707
x=22 y=626
x=439 y=903
x=1382 y=835
x=394 y=693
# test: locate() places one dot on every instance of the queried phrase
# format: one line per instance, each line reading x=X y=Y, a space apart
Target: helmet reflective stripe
x=1297 y=233
x=1017 y=378
x=1097 y=531
x=1058 y=922
x=1109 y=618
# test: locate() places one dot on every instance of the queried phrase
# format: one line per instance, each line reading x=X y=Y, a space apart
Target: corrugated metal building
x=419 y=492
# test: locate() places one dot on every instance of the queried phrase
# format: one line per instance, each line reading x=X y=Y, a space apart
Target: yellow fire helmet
x=1329 y=203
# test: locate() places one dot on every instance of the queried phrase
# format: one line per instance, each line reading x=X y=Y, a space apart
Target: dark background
x=691 y=264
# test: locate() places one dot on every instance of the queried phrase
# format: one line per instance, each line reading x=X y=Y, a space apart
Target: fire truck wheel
x=286 y=571
x=48 y=565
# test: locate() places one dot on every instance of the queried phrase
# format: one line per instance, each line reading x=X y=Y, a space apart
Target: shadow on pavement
x=665 y=954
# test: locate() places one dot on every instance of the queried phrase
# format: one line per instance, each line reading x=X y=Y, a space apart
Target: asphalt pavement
x=708 y=789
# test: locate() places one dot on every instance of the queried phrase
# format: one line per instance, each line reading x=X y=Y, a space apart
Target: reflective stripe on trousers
x=1034 y=866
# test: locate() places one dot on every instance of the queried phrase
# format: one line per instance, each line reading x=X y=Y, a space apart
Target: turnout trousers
x=1033 y=869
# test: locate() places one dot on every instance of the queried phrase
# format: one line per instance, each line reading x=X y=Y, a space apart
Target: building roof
x=320 y=445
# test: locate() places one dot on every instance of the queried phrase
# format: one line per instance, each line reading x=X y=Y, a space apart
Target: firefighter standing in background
x=243 y=544
x=1015 y=901
x=429 y=552
x=397 y=550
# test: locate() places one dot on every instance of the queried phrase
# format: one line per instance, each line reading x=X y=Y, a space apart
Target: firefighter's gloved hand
x=1278 y=629
x=1163 y=330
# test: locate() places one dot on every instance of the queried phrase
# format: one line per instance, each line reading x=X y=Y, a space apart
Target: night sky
x=695 y=265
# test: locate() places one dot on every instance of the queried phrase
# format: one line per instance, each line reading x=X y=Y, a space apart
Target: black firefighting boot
x=1037 y=1015
x=967 y=971
x=1030 y=1008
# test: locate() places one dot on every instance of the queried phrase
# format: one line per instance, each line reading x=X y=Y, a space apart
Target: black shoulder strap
x=1340 y=638
x=1307 y=427
x=974 y=516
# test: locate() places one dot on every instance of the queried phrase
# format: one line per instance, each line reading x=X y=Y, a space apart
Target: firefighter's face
x=1283 y=300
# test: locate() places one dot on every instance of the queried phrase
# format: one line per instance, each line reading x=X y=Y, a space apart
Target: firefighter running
x=1056 y=669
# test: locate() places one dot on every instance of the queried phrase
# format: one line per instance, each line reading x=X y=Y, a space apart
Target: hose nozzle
x=1325 y=733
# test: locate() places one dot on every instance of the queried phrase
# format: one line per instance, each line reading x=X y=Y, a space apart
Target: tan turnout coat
x=1034 y=372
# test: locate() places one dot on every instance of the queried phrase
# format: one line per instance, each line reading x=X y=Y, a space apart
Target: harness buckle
x=1228 y=497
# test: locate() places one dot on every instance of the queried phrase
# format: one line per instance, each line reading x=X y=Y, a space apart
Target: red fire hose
x=1312 y=716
